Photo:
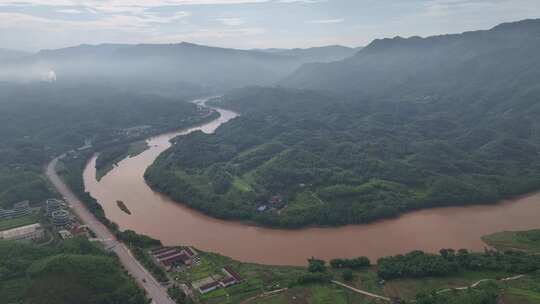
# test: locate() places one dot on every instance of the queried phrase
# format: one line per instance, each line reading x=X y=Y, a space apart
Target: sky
x=32 y=25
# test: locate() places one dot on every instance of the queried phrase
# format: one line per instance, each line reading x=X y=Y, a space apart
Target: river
x=158 y=216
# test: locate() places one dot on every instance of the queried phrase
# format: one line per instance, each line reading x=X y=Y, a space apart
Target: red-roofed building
x=228 y=270
x=166 y=253
x=190 y=251
x=228 y=281
x=181 y=257
x=209 y=287
x=160 y=250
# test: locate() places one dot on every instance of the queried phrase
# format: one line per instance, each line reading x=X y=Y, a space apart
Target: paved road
x=154 y=290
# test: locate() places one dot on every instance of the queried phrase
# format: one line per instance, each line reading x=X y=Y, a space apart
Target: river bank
x=158 y=216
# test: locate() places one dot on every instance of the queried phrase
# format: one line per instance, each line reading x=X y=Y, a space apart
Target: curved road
x=154 y=290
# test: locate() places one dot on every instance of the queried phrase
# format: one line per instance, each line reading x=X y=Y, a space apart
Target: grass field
x=315 y=294
x=133 y=150
x=18 y=222
x=528 y=241
x=523 y=291
x=409 y=288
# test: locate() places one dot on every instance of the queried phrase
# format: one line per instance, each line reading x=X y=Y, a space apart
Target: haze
x=246 y=24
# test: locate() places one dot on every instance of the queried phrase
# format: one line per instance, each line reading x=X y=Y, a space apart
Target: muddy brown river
x=160 y=217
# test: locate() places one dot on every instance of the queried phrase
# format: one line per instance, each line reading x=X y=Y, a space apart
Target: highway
x=144 y=279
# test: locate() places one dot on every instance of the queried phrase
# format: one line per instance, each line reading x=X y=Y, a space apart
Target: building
x=231 y=273
x=5 y=213
x=21 y=209
x=79 y=230
x=228 y=281
x=206 y=288
x=64 y=234
x=25 y=233
x=168 y=256
x=52 y=205
x=61 y=218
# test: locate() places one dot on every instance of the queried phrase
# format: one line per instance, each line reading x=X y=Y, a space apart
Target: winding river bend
x=160 y=217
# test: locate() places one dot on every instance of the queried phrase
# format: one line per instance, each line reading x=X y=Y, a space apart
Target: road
x=475 y=284
x=144 y=279
x=362 y=292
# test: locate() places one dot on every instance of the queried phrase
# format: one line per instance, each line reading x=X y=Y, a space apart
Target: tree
x=347 y=275
x=316 y=265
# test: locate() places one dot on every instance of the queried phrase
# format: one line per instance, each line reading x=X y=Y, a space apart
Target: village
x=192 y=271
x=187 y=269
x=24 y=222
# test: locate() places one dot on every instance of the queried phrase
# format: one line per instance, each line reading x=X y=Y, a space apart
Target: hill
x=165 y=68
x=421 y=67
x=72 y=272
x=41 y=121
x=317 y=54
x=461 y=129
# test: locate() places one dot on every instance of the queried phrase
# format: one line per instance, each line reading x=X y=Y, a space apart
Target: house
x=228 y=281
x=262 y=208
x=168 y=256
x=206 y=288
x=190 y=251
x=230 y=272
x=176 y=258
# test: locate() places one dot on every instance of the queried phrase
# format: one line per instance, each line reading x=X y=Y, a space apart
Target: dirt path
x=362 y=292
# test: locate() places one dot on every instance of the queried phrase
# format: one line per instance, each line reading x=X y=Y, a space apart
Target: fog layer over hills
x=158 y=67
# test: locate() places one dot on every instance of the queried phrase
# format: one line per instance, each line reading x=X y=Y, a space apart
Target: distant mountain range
x=500 y=56
x=165 y=66
x=317 y=54
x=8 y=54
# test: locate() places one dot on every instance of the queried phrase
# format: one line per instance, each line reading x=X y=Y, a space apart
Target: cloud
x=231 y=21
x=325 y=21
x=69 y=11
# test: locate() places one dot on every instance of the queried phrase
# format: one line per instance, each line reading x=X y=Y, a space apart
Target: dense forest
x=75 y=271
x=40 y=121
x=467 y=134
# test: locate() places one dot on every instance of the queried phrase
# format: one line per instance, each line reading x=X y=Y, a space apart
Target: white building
x=30 y=232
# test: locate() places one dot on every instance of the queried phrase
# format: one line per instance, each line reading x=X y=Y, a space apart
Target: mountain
x=160 y=67
x=421 y=66
x=317 y=54
x=8 y=54
x=404 y=124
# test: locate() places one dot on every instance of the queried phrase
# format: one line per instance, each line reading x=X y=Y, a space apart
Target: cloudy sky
x=40 y=24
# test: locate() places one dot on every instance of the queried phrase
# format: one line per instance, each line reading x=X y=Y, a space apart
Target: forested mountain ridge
x=74 y=271
x=317 y=54
x=433 y=65
x=167 y=68
x=40 y=121
x=297 y=157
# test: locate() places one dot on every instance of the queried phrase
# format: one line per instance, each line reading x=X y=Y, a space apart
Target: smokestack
x=50 y=76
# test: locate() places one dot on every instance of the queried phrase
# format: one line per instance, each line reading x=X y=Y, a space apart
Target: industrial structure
x=25 y=233
x=19 y=209
x=52 y=205
x=61 y=218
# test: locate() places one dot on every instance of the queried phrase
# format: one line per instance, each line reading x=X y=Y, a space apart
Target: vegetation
x=74 y=271
x=19 y=221
x=404 y=124
x=123 y=206
x=528 y=241
x=109 y=157
x=334 y=161
x=418 y=264
x=488 y=294
x=40 y=121
x=355 y=263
